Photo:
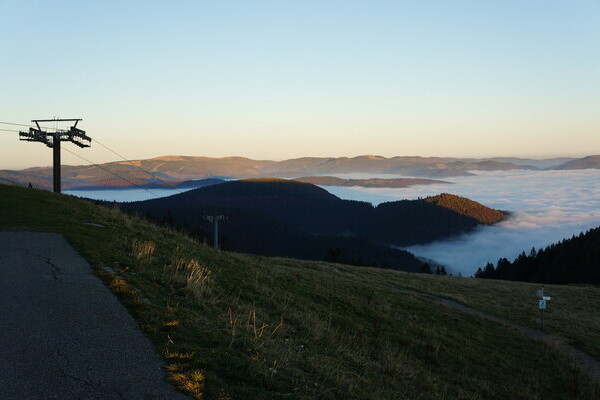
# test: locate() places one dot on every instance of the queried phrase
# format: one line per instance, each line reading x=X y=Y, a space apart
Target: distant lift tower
x=53 y=139
x=214 y=219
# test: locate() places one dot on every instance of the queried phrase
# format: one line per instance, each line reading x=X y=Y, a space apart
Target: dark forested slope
x=574 y=260
x=287 y=218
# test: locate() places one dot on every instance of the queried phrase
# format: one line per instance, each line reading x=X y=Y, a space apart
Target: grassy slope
x=265 y=328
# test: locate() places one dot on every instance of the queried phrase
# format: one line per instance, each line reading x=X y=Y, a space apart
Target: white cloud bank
x=546 y=207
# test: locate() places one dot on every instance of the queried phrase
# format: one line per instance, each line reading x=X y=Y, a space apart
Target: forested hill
x=464 y=206
x=287 y=218
x=315 y=210
x=574 y=260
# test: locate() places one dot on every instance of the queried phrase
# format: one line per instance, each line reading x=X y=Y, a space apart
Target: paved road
x=63 y=334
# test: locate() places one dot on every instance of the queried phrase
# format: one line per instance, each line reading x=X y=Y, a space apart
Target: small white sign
x=546 y=298
x=542 y=304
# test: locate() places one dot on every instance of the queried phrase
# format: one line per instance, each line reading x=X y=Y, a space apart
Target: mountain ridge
x=589 y=162
x=174 y=168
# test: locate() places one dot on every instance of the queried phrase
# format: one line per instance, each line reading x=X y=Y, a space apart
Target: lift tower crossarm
x=53 y=139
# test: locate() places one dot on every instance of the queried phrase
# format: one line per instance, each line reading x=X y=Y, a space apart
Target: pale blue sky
x=283 y=79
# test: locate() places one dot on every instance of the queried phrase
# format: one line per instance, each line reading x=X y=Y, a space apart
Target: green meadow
x=239 y=326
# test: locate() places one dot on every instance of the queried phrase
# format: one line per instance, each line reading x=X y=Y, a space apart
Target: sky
x=285 y=79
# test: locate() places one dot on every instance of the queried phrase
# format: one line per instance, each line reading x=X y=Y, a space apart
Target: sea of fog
x=545 y=207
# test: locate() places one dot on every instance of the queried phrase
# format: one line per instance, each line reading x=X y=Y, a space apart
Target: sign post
x=542 y=303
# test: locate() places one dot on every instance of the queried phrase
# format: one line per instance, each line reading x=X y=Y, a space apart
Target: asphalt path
x=63 y=334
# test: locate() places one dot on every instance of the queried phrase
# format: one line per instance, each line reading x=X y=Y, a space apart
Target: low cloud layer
x=546 y=207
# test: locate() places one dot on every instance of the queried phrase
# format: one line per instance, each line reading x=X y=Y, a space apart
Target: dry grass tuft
x=196 y=279
x=143 y=249
x=192 y=382
x=119 y=285
x=245 y=326
x=175 y=355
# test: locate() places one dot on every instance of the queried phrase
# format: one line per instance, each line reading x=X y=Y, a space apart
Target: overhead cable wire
x=15 y=124
x=109 y=149
x=137 y=166
x=110 y=172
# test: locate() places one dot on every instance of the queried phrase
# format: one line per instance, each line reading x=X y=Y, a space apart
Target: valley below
x=545 y=207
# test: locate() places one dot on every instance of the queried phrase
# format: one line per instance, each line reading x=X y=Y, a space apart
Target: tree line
x=573 y=260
